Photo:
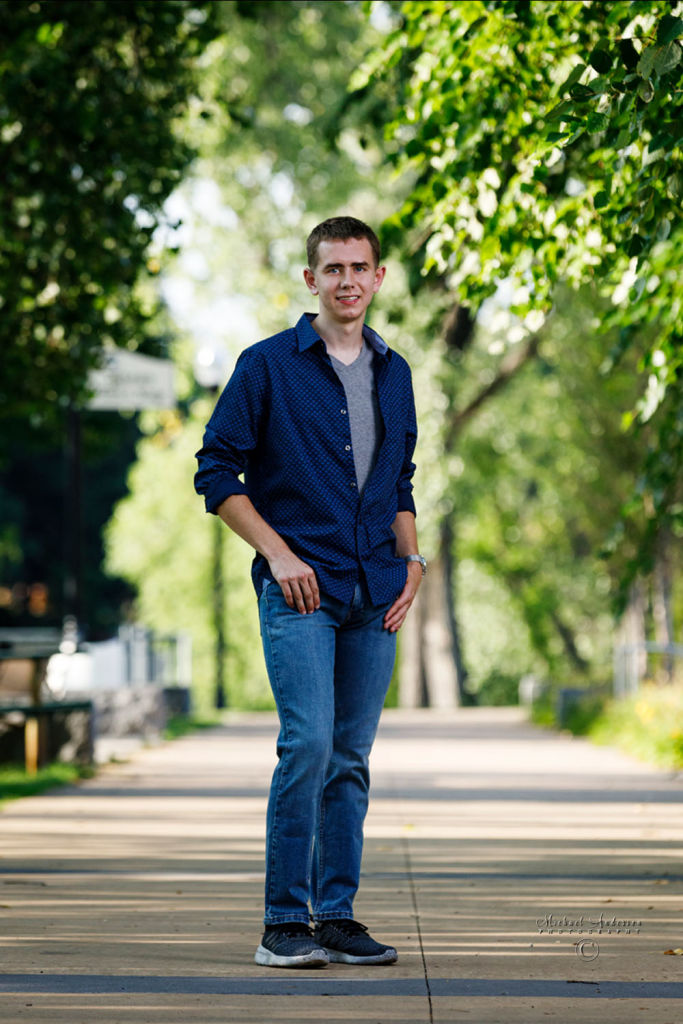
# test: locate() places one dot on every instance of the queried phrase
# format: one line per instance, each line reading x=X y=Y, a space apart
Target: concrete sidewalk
x=523 y=876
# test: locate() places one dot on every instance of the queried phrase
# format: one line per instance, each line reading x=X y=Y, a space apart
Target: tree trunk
x=450 y=598
x=427 y=676
x=662 y=611
x=411 y=682
x=432 y=670
x=630 y=653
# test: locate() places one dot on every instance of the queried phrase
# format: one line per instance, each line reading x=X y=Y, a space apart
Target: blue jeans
x=329 y=671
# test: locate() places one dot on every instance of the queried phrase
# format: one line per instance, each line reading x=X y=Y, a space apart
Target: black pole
x=73 y=518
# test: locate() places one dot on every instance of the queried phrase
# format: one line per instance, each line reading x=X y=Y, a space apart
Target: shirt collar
x=308 y=336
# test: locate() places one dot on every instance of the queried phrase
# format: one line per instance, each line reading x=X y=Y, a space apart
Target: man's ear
x=309 y=278
x=379 y=277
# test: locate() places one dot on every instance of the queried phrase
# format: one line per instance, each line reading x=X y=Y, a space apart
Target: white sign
x=128 y=380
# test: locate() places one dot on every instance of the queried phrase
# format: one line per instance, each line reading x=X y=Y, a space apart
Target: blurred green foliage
x=497 y=688
x=90 y=97
x=91 y=94
x=646 y=725
x=536 y=480
x=542 y=143
x=269 y=171
x=545 y=470
x=537 y=185
x=160 y=539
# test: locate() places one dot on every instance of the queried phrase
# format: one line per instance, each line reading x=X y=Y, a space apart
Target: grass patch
x=542 y=711
x=182 y=725
x=15 y=782
x=581 y=716
x=647 y=725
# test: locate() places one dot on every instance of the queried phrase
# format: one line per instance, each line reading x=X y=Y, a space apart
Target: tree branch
x=511 y=365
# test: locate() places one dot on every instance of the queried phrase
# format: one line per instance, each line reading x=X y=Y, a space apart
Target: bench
x=21 y=700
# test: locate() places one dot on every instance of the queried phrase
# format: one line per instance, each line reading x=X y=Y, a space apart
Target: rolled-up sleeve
x=231 y=434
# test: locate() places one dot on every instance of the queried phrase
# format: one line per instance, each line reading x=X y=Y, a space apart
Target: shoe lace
x=295 y=929
x=350 y=927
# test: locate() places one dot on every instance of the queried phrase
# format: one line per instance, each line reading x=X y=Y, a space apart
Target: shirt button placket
x=347 y=448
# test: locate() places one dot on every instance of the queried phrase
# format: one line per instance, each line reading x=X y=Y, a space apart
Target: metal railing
x=633 y=664
x=153 y=658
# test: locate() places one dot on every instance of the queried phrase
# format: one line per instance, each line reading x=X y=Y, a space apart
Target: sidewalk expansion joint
x=416 y=914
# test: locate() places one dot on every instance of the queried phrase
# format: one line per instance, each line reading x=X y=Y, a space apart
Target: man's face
x=345 y=278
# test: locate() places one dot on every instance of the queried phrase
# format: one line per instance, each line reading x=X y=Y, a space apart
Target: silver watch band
x=417 y=558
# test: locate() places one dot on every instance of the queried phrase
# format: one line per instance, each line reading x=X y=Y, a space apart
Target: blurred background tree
x=542 y=147
x=533 y=240
x=91 y=98
x=270 y=169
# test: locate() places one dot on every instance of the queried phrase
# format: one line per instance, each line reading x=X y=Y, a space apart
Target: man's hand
x=297 y=582
x=395 y=617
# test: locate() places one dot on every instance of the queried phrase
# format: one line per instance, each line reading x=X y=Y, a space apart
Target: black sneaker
x=347 y=942
x=290 y=945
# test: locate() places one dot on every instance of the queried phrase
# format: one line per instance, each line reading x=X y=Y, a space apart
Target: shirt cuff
x=217 y=494
x=406 y=503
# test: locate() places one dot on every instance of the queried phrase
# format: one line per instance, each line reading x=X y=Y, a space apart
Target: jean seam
x=320 y=847
x=286 y=918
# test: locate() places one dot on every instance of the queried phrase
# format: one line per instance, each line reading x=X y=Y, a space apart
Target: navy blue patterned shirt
x=282 y=422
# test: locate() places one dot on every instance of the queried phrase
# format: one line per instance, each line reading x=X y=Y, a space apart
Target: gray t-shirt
x=365 y=420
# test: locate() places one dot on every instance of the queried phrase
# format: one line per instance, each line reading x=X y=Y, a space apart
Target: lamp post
x=210 y=370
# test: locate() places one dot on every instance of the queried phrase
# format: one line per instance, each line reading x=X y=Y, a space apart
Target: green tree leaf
x=669 y=28
x=646 y=63
x=596 y=122
x=601 y=59
x=667 y=58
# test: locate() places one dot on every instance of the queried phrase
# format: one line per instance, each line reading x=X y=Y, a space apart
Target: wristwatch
x=417 y=558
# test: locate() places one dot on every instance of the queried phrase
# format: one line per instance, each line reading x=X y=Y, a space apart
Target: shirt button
x=353 y=483
x=347 y=448
x=343 y=412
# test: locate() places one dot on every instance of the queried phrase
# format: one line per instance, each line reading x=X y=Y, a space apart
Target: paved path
x=524 y=877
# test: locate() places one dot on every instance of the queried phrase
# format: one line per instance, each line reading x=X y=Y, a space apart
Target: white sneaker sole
x=316 y=958
x=390 y=956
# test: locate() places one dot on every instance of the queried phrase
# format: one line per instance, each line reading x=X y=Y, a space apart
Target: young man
x=320 y=419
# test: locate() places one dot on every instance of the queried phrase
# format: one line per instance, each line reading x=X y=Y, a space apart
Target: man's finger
x=299 y=597
x=308 y=597
x=394 y=617
x=315 y=591
x=403 y=600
